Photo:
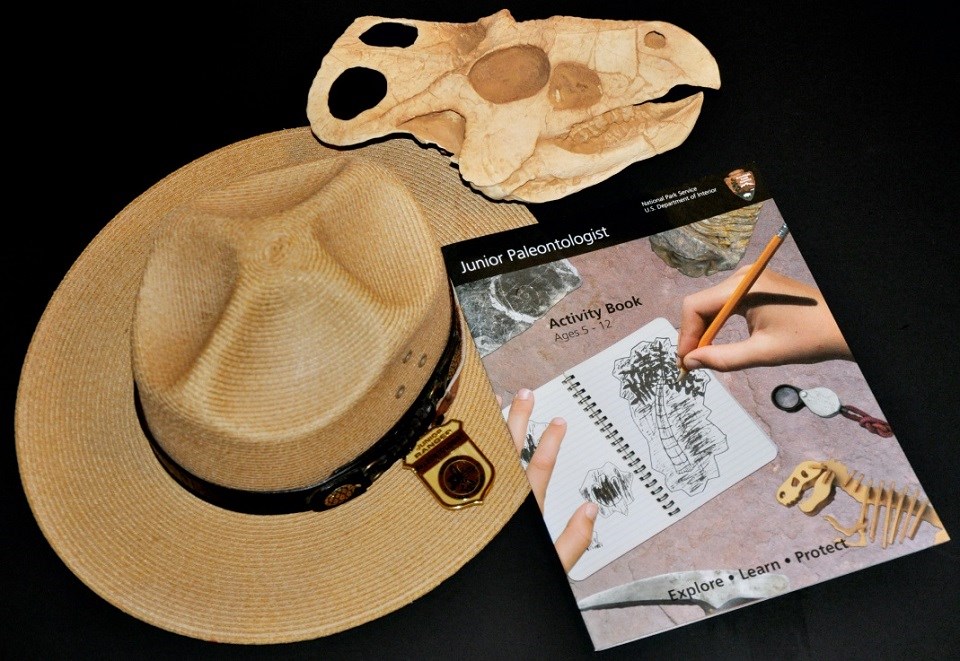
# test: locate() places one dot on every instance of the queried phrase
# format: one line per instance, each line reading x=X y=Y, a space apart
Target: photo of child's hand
x=789 y=322
x=576 y=537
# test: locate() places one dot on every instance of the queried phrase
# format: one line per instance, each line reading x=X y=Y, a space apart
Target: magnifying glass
x=787 y=398
x=825 y=403
x=822 y=401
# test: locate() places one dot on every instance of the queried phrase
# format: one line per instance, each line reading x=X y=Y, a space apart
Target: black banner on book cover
x=528 y=246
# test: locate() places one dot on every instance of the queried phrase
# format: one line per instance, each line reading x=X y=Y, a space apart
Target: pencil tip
x=682 y=372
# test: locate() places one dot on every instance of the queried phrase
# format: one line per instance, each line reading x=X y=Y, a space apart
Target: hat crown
x=277 y=318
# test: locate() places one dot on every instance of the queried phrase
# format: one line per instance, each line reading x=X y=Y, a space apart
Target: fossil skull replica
x=529 y=111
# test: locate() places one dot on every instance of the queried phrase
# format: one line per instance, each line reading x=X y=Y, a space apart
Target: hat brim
x=140 y=541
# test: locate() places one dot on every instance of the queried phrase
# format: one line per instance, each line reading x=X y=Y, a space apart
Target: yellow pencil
x=742 y=288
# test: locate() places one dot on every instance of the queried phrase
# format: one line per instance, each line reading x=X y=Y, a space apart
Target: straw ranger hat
x=217 y=406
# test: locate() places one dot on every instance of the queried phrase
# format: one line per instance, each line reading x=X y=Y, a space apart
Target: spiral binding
x=649 y=482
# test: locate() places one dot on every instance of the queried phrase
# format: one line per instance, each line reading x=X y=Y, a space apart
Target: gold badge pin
x=451 y=466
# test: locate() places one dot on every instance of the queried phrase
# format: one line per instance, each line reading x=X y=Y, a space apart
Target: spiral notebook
x=647 y=449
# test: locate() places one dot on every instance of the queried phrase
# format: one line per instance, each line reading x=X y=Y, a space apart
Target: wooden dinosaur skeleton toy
x=903 y=511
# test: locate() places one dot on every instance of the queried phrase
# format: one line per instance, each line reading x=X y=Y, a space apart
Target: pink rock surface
x=744 y=527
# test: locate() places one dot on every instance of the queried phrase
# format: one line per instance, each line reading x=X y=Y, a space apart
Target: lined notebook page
x=647 y=451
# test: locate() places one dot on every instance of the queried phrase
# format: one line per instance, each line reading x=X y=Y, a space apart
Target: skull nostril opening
x=355 y=90
x=390 y=35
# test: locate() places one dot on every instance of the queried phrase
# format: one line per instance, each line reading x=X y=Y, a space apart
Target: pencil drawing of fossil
x=595 y=542
x=532 y=439
x=902 y=511
x=610 y=488
x=710 y=245
x=531 y=110
x=671 y=416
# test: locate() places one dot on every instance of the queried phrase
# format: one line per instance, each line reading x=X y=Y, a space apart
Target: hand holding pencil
x=788 y=322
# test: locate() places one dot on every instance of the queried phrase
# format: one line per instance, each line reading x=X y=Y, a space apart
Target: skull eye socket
x=390 y=35
x=355 y=90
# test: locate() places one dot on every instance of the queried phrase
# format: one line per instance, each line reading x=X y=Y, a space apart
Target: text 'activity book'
x=715 y=490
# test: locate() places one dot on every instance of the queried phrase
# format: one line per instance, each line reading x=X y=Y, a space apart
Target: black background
x=845 y=108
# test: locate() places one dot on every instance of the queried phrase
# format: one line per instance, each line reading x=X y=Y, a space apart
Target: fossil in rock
x=531 y=110
x=710 y=245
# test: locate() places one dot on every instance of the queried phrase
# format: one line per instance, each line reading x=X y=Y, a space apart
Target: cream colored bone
x=530 y=111
x=821 y=478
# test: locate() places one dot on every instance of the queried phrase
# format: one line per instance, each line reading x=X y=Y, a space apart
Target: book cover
x=714 y=490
